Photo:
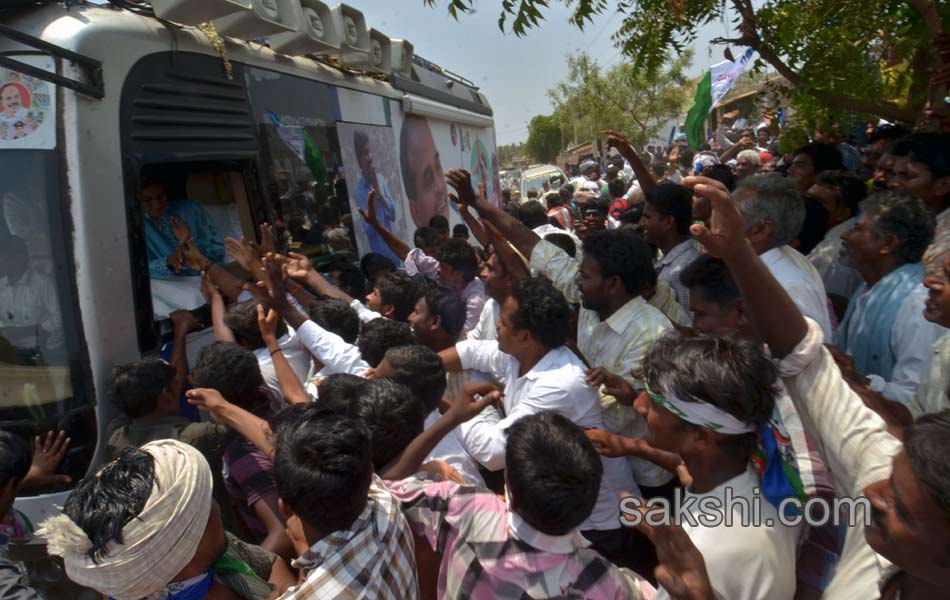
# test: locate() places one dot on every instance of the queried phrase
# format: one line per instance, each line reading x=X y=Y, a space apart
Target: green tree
x=507 y=153
x=544 y=139
x=889 y=58
x=623 y=98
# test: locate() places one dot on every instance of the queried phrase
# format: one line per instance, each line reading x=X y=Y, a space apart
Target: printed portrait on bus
x=24 y=107
x=422 y=174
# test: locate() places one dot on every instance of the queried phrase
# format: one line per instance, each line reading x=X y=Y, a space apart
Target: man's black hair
x=624 y=254
x=420 y=369
x=15 y=457
x=533 y=193
x=391 y=413
x=928 y=148
x=336 y=316
x=713 y=280
x=445 y=303
x=673 y=200
x=552 y=200
x=136 y=386
x=851 y=188
x=824 y=157
x=102 y=503
x=350 y=277
x=927 y=442
x=428 y=236
x=460 y=231
x=323 y=466
x=379 y=335
x=373 y=262
x=888 y=132
x=562 y=241
x=505 y=197
x=439 y=223
x=542 y=311
x=231 y=370
x=533 y=214
x=566 y=192
x=721 y=173
x=459 y=255
x=241 y=319
x=728 y=372
x=340 y=388
x=553 y=472
x=400 y=290
x=617 y=187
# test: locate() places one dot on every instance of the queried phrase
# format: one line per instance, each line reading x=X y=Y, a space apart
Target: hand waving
x=48 y=453
x=180 y=229
x=726 y=233
x=267 y=323
x=461 y=182
x=298 y=266
x=369 y=215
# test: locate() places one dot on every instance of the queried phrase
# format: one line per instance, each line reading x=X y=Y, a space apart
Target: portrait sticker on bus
x=27 y=108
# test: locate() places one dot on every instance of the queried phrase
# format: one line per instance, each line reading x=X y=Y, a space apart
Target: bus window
x=40 y=352
x=185 y=204
x=296 y=121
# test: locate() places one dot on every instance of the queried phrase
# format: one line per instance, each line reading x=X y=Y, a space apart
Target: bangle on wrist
x=275 y=351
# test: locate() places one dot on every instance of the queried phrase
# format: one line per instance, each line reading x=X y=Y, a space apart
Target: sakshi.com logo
x=742 y=510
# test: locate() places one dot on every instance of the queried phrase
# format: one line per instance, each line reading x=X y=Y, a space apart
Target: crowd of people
x=472 y=417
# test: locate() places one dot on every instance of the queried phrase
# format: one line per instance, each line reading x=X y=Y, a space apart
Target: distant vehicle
x=533 y=177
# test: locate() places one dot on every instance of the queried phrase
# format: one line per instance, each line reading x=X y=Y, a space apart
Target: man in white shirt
x=933 y=393
x=708 y=408
x=906 y=485
x=667 y=215
x=30 y=317
x=541 y=373
x=884 y=329
x=774 y=213
x=497 y=282
x=615 y=324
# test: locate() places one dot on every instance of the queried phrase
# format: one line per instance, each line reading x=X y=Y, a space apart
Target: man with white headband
x=706 y=398
x=145 y=527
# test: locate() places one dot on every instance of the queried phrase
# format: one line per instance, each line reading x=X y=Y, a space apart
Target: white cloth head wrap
x=700 y=413
x=158 y=544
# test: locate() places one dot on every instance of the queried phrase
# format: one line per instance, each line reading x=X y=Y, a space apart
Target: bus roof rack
x=95 y=89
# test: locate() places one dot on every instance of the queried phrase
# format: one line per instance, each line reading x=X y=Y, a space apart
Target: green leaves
x=544 y=139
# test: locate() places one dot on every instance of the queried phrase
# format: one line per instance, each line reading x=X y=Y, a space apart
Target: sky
x=514 y=73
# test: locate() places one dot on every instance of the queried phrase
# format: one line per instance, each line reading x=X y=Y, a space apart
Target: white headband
x=157 y=544
x=701 y=413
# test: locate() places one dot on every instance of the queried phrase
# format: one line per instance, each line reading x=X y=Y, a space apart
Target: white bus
x=96 y=99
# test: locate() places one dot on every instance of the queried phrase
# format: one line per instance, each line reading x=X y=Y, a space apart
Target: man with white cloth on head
x=145 y=527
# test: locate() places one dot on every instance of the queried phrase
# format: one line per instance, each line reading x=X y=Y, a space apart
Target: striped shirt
x=490 y=553
x=373 y=559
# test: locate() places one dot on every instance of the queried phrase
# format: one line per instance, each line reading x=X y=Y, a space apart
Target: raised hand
x=619 y=141
x=208 y=400
x=726 y=232
x=607 y=444
x=298 y=266
x=268 y=239
x=208 y=291
x=472 y=400
x=614 y=385
x=193 y=258
x=369 y=215
x=180 y=229
x=461 y=182
x=48 y=453
x=273 y=279
x=267 y=323
x=682 y=570
x=243 y=252
x=183 y=322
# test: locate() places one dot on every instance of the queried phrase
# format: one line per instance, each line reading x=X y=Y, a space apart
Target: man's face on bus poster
x=422 y=175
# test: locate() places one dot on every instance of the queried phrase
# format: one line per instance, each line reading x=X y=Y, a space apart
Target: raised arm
x=301 y=270
x=522 y=238
x=506 y=254
x=253 y=428
x=464 y=406
x=395 y=244
x=773 y=313
x=220 y=330
x=183 y=322
x=290 y=385
x=640 y=170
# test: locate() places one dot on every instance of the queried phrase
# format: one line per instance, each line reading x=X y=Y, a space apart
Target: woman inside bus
x=170 y=228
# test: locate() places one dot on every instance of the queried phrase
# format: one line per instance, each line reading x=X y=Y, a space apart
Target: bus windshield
x=39 y=351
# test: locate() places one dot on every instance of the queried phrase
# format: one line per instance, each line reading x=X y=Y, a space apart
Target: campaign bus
x=261 y=111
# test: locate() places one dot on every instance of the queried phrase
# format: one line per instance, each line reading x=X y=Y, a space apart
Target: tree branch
x=749 y=29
